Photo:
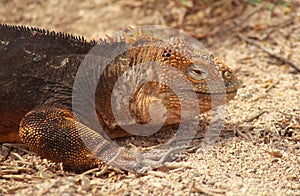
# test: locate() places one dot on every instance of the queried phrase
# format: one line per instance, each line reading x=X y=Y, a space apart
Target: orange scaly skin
x=37 y=71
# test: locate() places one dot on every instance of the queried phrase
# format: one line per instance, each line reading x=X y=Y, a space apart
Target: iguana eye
x=197 y=73
x=227 y=75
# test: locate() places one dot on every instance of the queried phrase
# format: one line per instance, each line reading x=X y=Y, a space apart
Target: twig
x=20 y=177
x=19 y=157
x=156 y=173
x=255 y=117
x=90 y=171
x=269 y=51
x=272 y=86
x=177 y=165
x=273 y=28
x=5 y=171
x=236 y=24
x=243 y=21
x=207 y=191
x=43 y=173
x=104 y=170
x=15 y=188
x=244 y=135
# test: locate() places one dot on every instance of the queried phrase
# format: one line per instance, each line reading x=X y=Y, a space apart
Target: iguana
x=37 y=74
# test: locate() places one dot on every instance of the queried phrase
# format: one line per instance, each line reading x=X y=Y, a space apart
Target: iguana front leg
x=53 y=133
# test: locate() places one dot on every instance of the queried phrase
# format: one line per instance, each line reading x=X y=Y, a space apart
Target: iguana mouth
x=218 y=88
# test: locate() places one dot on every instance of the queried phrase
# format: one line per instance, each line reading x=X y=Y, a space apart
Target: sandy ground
x=260 y=156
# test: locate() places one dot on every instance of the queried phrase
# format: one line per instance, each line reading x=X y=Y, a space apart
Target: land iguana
x=37 y=74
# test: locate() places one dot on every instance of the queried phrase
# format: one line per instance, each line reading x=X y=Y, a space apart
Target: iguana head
x=207 y=74
x=213 y=82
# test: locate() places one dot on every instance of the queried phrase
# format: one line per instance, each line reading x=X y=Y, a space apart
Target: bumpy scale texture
x=37 y=73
